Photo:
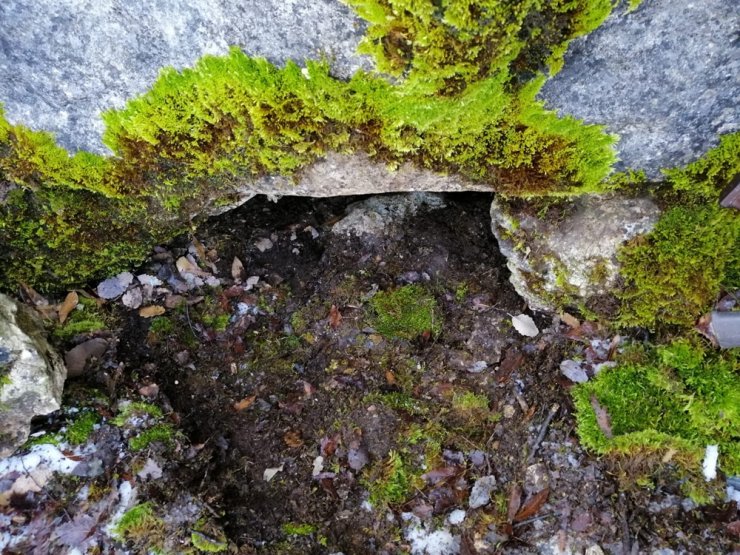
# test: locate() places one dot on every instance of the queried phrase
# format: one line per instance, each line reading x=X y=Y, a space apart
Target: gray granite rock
x=62 y=63
x=665 y=77
x=33 y=373
x=569 y=255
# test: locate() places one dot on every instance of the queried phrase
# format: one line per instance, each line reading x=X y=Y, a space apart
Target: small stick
x=535 y=518
x=543 y=430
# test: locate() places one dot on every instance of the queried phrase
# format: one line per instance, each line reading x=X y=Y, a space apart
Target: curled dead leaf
x=237 y=270
x=245 y=403
x=602 y=417
x=69 y=304
x=515 y=501
x=570 y=320
x=335 y=317
x=532 y=505
x=151 y=311
x=293 y=439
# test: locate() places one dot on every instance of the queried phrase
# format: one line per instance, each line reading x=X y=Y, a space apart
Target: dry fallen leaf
x=245 y=403
x=335 y=318
x=515 y=501
x=602 y=417
x=525 y=325
x=69 y=304
x=533 y=505
x=237 y=270
x=293 y=439
x=570 y=320
x=390 y=378
x=151 y=311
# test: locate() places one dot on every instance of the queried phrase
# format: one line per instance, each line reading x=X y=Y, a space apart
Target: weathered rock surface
x=62 y=63
x=350 y=174
x=568 y=257
x=665 y=77
x=33 y=374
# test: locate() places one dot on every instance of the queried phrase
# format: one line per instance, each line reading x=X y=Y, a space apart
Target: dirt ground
x=303 y=426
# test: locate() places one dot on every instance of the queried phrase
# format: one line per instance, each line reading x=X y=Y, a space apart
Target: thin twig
x=543 y=430
x=535 y=518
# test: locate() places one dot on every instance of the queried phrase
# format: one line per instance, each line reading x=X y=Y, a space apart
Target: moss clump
x=162 y=433
x=137 y=410
x=207 y=544
x=79 y=430
x=406 y=313
x=464 y=102
x=298 y=529
x=141 y=526
x=394 y=486
x=161 y=325
x=86 y=318
x=674 y=397
x=674 y=273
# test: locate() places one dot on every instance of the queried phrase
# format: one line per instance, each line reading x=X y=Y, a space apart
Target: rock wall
x=63 y=63
x=665 y=78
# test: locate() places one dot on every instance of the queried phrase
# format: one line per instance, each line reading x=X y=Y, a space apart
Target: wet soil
x=306 y=430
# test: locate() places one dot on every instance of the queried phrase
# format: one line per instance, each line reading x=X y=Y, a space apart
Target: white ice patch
x=425 y=542
x=710 y=462
x=126 y=499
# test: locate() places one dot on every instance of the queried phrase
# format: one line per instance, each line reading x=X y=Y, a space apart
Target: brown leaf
x=335 y=318
x=34 y=296
x=515 y=501
x=467 y=544
x=512 y=361
x=237 y=270
x=602 y=417
x=245 y=403
x=69 y=304
x=390 y=377
x=533 y=505
x=616 y=340
x=151 y=311
x=570 y=320
x=293 y=439
x=733 y=528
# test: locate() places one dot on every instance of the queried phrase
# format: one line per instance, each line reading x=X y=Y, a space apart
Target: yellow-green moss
x=141 y=526
x=406 y=312
x=81 y=428
x=207 y=544
x=674 y=273
x=674 y=397
x=159 y=433
x=464 y=102
x=298 y=529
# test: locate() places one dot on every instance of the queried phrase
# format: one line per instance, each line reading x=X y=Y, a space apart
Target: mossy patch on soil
x=674 y=398
x=406 y=313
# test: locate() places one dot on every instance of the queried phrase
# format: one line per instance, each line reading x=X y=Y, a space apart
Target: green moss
x=140 y=525
x=674 y=274
x=470 y=402
x=674 y=397
x=406 y=312
x=163 y=433
x=463 y=102
x=86 y=318
x=395 y=483
x=79 y=430
x=161 y=325
x=134 y=410
x=295 y=529
x=207 y=544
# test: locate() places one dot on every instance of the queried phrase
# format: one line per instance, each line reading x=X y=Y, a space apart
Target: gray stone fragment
x=665 y=78
x=536 y=478
x=726 y=328
x=568 y=258
x=77 y=358
x=573 y=371
x=115 y=286
x=63 y=63
x=480 y=494
x=375 y=215
x=32 y=373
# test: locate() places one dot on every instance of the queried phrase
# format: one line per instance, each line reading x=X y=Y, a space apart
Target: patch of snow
x=456 y=517
x=429 y=542
x=709 y=467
